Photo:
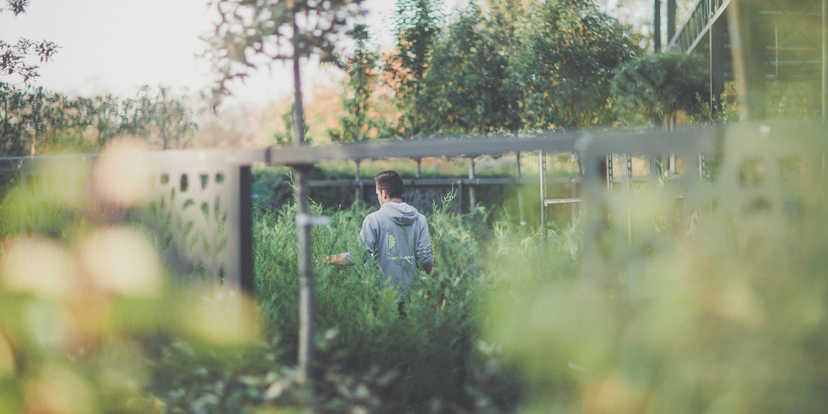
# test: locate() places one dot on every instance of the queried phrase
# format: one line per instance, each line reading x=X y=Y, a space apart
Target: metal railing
x=205 y=195
x=693 y=30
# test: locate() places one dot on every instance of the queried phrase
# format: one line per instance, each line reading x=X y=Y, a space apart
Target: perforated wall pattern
x=190 y=204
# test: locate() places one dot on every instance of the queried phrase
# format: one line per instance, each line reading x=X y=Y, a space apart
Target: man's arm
x=423 y=254
x=342 y=259
x=368 y=237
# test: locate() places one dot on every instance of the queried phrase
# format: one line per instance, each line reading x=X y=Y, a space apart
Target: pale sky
x=114 y=46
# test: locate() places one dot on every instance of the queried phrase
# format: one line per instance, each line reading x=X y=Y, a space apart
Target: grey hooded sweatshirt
x=397 y=236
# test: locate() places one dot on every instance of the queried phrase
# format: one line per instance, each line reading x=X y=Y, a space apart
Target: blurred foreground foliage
x=715 y=302
x=91 y=321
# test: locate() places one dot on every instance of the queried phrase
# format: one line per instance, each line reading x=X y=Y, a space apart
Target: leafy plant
x=417 y=25
x=466 y=80
x=565 y=63
x=362 y=79
x=654 y=87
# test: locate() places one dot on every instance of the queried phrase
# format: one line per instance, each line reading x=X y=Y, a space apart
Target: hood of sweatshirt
x=400 y=213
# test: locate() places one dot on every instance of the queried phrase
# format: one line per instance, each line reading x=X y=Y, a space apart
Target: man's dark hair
x=390 y=181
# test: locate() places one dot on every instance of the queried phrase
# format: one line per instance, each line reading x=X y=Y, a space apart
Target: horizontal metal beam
x=689 y=140
x=436 y=182
x=454 y=146
x=562 y=201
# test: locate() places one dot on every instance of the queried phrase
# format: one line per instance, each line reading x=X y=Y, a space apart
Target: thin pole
x=574 y=206
x=717 y=55
x=303 y=237
x=542 y=168
x=657 y=26
x=360 y=193
x=671 y=21
x=824 y=59
x=246 y=279
x=519 y=193
x=472 y=195
x=609 y=174
x=633 y=277
x=628 y=160
x=824 y=104
x=306 y=308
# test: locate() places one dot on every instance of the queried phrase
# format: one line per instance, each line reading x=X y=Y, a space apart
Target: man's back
x=397 y=236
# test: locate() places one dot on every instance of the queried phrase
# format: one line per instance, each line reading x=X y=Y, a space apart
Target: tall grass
x=432 y=353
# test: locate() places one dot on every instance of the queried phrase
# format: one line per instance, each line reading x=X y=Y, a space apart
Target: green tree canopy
x=653 y=88
x=565 y=63
x=417 y=25
x=160 y=116
x=361 y=80
x=465 y=81
x=35 y=121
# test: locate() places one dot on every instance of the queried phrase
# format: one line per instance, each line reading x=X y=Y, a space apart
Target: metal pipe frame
x=692 y=31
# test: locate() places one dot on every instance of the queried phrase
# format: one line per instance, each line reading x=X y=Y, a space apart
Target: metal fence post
x=360 y=193
x=628 y=159
x=609 y=173
x=303 y=239
x=519 y=193
x=460 y=195
x=574 y=206
x=247 y=280
x=472 y=195
x=542 y=168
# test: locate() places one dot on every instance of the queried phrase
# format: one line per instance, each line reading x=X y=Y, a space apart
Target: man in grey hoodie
x=396 y=235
